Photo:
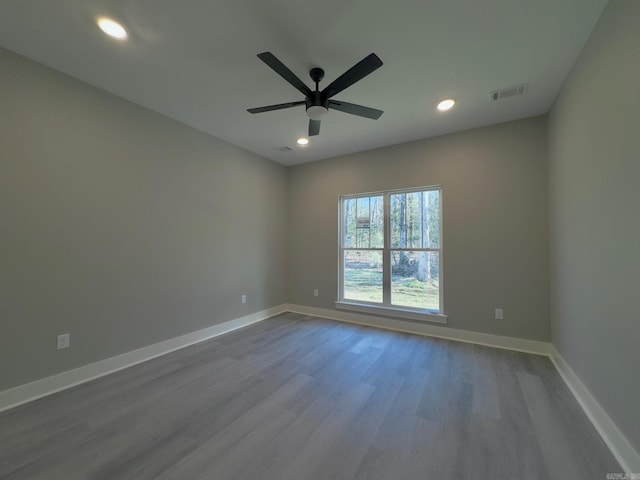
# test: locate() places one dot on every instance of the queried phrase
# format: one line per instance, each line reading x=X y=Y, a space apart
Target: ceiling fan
x=318 y=102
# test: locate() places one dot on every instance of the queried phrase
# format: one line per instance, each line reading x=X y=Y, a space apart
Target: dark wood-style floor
x=303 y=398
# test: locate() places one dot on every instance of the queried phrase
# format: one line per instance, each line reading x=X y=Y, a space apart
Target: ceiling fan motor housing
x=317 y=106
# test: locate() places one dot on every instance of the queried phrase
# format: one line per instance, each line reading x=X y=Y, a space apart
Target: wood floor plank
x=344 y=457
x=298 y=397
x=219 y=446
x=275 y=455
x=308 y=459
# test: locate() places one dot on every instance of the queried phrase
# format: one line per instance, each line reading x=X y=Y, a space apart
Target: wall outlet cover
x=63 y=341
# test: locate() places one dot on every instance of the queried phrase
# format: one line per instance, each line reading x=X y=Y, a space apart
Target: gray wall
x=594 y=149
x=494 y=221
x=120 y=226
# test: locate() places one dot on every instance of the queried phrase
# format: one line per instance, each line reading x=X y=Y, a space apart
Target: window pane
x=397 y=214
x=377 y=222
x=431 y=209
x=363 y=275
x=349 y=222
x=363 y=222
x=363 y=226
x=415 y=279
x=415 y=219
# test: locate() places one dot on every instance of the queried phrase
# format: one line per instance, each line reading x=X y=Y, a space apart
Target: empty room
x=301 y=240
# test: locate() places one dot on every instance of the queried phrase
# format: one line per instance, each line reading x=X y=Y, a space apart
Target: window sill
x=419 y=315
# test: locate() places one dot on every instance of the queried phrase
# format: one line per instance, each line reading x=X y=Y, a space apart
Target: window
x=391 y=253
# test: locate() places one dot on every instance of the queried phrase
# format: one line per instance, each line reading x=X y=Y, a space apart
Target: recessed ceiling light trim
x=446 y=104
x=112 y=28
x=303 y=141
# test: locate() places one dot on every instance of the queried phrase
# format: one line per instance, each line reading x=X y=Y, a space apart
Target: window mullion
x=357 y=242
x=386 y=257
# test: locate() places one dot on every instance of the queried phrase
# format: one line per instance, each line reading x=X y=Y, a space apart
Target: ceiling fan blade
x=314 y=127
x=279 y=106
x=280 y=68
x=360 y=70
x=354 y=109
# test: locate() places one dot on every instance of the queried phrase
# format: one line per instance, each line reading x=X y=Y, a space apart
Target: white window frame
x=386 y=308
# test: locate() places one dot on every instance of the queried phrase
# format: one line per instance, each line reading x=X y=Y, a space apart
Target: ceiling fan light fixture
x=446 y=104
x=112 y=28
x=317 y=112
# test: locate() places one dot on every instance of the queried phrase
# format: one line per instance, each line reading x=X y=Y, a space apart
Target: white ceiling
x=195 y=61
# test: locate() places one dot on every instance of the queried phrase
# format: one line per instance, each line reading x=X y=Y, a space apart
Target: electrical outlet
x=499 y=314
x=315 y=292
x=244 y=299
x=64 y=341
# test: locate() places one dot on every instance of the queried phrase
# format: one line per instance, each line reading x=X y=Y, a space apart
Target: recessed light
x=302 y=141
x=446 y=104
x=112 y=28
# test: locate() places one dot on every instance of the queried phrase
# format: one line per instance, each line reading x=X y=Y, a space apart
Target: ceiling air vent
x=285 y=149
x=510 y=92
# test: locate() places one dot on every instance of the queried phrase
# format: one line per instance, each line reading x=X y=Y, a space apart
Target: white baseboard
x=622 y=450
x=61 y=381
x=498 y=341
